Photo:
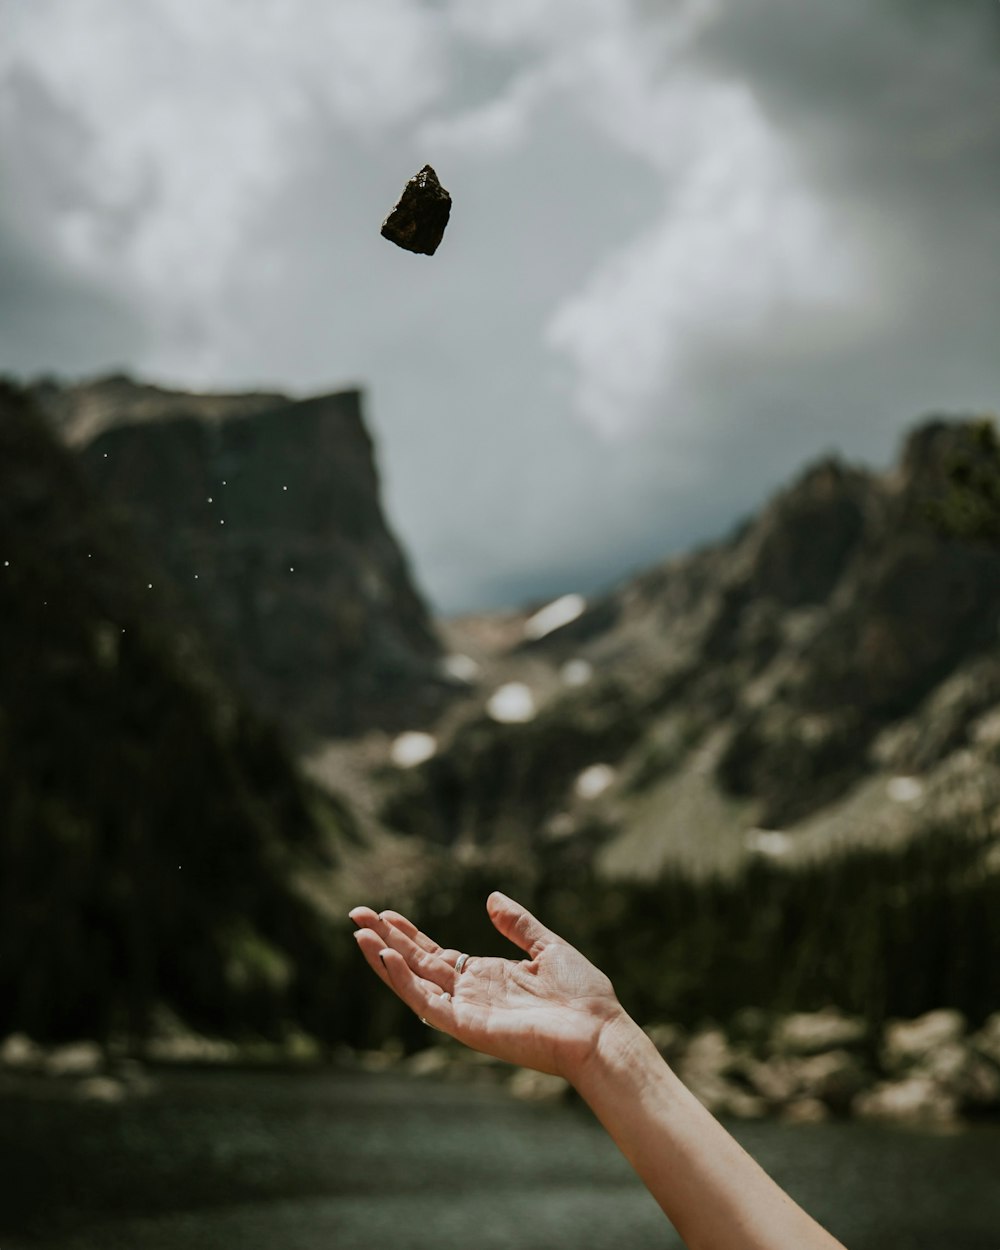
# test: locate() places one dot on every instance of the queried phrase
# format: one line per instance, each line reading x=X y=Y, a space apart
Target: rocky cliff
x=154 y=832
x=826 y=677
x=263 y=514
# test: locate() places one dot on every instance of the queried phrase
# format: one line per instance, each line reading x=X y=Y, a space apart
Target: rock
x=835 y=1078
x=776 y=1079
x=383 y=1060
x=533 y=1086
x=708 y=1056
x=303 y=595
x=946 y=1063
x=908 y=1042
x=705 y=1068
x=743 y=1105
x=805 y=1111
x=708 y=1051
x=811 y=1032
x=19 y=1051
x=668 y=1038
x=418 y=220
x=986 y=1041
x=980 y=1085
x=75 y=1059
x=191 y=1048
x=914 y=1100
x=832 y=1078
x=101 y=1089
x=435 y=1061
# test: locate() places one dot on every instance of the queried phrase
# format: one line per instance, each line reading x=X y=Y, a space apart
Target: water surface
x=313 y=1161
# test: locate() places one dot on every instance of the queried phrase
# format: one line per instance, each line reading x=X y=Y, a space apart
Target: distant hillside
x=827 y=677
x=154 y=835
x=263 y=512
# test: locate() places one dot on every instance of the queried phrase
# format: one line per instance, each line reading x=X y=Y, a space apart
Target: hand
x=546 y=1012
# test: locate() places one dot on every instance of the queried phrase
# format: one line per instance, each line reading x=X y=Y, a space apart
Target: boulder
x=913 y=1100
x=532 y=1086
x=434 y=1061
x=668 y=1038
x=908 y=1043
x=75 y=1059
x=774 y=1079
x=101 y=1089
x=834 y=1078
x=805 y=1111
x=812 y=1032
x=19 y=1051
x=986 y=1041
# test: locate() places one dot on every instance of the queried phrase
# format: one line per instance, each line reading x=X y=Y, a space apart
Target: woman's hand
x=556 y=1012
x=546 y=1012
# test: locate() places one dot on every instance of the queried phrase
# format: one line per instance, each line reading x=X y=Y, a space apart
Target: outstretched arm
x=556 y=1012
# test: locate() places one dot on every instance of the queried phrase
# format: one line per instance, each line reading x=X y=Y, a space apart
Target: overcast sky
x=694 y=243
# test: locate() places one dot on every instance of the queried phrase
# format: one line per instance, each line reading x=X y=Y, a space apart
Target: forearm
x=713 y=1192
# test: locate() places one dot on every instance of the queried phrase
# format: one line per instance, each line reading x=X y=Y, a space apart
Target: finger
x=370 y=943
x=365 y=918
x=410 y=929
x=424 y=998
x=518 y=925
x=427 y=966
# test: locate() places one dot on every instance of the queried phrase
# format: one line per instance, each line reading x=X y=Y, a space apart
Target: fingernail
x=382 y=955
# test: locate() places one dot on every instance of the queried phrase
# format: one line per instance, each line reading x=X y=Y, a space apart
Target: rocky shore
x=801 y=1068
x=932 y=1071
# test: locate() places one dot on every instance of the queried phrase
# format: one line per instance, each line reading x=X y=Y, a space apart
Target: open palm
x=546 y=1012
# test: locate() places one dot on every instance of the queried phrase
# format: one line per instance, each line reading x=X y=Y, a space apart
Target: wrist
x=621 y=1055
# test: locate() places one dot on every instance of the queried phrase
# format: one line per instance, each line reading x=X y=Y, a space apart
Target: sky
x=694 y=244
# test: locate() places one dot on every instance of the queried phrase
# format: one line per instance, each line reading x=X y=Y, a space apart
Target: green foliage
x=969 y=508
x=151 y=828
x=881 y=933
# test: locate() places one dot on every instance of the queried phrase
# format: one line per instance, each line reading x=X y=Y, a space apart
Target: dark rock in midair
x=417 y=222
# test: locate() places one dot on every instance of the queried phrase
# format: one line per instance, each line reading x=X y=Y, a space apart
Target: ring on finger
x=460 y=963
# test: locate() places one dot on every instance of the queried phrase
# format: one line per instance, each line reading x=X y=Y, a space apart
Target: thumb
x=518 y=925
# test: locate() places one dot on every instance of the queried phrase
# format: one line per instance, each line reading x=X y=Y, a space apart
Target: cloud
x=693 y=243
x=740 y=239
x=180 y=122
x=742 y=248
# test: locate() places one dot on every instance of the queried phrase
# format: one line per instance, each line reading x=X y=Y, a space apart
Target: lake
x=349 y=1161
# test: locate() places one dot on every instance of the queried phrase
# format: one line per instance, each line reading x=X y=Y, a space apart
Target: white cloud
x=741 y=243
x=741 y=246
x=192 y=111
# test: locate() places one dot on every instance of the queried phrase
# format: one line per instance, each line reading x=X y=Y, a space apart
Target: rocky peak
x=757 y=684
x=265 y=512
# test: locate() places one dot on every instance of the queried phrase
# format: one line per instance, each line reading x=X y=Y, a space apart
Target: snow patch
x=554 y=616
x=768 y=842
x=905 y=789
x=594 y=780
x=512 y=704
x=460 y=667
x=412 y=748
x=576 y=672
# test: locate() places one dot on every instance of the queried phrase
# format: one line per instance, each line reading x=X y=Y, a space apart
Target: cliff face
x=264 y=512
x=828 y=675
x=152 y=828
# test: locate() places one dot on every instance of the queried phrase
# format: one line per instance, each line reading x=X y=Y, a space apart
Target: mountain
x=263 y=513
x=827 y=677
x=155 y=833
